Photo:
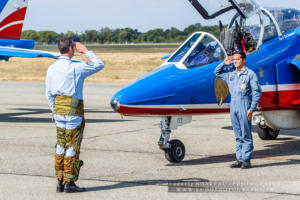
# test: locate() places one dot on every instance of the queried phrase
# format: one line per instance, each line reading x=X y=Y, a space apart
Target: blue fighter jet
x=185 y=84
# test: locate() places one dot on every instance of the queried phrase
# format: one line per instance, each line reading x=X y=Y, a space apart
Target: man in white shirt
x=64 y=85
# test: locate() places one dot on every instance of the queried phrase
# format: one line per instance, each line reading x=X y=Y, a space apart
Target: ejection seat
x=236 y=39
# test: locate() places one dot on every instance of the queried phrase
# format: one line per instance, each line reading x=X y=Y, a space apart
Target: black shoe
x=246 y=165
x=72 y=187
x=236 y=164
x=60 y=186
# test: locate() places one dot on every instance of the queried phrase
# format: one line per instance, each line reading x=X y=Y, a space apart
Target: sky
x=144 y=15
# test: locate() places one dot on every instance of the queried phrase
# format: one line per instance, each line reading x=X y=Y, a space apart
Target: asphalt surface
x=122 y=159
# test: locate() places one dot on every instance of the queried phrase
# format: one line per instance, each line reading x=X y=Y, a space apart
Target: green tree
x=192 y=28
x=155 y=35
x=70 y=33
x=30 y=35
x=91 y=36
x=122 y=35
x=49 y=37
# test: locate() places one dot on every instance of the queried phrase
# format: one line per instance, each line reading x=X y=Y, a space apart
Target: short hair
x=243 y=55
x=64 y=44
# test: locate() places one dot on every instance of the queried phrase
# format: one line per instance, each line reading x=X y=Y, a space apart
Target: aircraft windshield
x=286 y=18
x=207 y=51
x=184 y=49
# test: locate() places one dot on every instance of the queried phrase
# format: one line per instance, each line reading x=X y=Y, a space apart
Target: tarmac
x=123 y=161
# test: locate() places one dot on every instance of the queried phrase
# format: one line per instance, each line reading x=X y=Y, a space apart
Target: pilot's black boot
x=60 y=186
x=72 y=187
x=236 y=164
x=246 y=165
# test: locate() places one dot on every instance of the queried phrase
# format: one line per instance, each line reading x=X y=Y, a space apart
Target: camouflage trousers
x=67 y=167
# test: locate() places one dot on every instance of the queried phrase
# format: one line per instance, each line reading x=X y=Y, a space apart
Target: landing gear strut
x=174 y=149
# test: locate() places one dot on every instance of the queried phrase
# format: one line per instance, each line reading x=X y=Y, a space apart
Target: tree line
x=121 y=35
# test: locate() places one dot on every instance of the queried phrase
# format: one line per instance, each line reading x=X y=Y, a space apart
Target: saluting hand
x=228 y=60
x=80 y=47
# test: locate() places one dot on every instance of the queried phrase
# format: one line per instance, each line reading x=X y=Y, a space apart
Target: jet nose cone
x=115 y=104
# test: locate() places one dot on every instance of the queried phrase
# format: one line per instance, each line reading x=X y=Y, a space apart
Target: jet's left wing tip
x=7 y=52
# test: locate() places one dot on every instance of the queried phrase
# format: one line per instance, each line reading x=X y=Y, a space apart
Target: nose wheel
x=176 y=152
x=174 y=149
x=265 y=132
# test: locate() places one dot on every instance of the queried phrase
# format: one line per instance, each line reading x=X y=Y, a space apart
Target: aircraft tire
x=176 y=153
x=267 y=133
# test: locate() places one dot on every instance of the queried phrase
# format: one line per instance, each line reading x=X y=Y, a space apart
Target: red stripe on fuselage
x=280 y=99
x=268 y=101
x=18 y=15
x=289 y=98
x=167 y=111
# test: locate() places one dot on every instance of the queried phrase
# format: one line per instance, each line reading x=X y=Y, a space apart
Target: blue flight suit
x=245 y=93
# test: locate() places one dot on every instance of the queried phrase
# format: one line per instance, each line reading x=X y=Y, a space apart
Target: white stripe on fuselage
x=281 y=87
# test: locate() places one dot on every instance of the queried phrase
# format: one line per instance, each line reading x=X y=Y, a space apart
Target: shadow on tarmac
x=279 y=151
x=18 y=117
x=291 y=132
x=124 y=184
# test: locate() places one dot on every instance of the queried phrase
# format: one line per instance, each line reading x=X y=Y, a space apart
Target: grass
x=123 y=63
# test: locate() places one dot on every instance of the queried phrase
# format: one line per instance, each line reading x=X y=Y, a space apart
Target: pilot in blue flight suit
x=245 y=93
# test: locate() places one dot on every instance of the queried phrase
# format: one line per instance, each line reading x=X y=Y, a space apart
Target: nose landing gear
x=174 y=149
x=265 y=132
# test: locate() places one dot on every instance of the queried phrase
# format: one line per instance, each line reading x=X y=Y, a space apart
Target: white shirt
x=66 y=77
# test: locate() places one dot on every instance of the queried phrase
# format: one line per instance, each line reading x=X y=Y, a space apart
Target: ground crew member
x=245 y=94
x=64 y=84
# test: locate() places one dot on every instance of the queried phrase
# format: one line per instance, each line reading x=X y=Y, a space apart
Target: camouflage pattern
x=70 y=166
x=67 y=168
x=65 y=105
x=60 y=133
x=59 y=166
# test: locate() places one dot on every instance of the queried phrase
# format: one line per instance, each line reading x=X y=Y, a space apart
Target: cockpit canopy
x=287 y=18
x=198 y=50
x=265 y=25
x=211 y=9
x=250 y=27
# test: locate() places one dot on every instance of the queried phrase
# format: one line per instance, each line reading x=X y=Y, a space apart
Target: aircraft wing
x=7 y=52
